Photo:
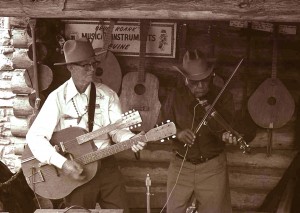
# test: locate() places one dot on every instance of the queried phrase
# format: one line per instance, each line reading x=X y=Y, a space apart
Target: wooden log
x=22 y=107
x=5 y=62
x=4 y=84
x=19 y=126
x=20 y=38
x=240 y=198
x=18 y=22
x=247 y=199
x=267 y=10
x=20 y=59
x=18 y=83
x=284 y=138
x=280 y=159
x=238 y=176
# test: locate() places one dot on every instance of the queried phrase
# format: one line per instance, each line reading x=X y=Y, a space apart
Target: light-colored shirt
x=62 y=109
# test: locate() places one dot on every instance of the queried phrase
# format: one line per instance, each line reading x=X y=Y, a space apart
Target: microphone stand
x=148 y=194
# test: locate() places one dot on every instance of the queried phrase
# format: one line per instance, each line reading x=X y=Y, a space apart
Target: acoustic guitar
x=140 y=89
x=108 y=71
x=46 y=180
x=271 y=105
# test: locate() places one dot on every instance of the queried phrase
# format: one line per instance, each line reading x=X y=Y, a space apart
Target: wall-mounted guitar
x=140 y=89
x=271 y=105
x=109 y=70
x=44 y=179
x=38 y=76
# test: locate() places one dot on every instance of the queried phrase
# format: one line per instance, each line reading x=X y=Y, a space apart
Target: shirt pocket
x=68 y=121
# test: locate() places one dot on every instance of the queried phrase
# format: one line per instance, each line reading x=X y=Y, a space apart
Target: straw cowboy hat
x=195 y=66
x=76 y=51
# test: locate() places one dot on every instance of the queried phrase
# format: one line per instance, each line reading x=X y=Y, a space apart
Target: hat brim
x=97 y=53
x=198 y=77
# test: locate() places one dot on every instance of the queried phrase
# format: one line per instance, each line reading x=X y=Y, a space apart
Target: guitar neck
x=91 y=135
x=108 y=34
x=144 y=25
x=275 y=53
x=111 y=150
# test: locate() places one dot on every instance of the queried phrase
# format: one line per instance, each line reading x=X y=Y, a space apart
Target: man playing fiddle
x=199 y=166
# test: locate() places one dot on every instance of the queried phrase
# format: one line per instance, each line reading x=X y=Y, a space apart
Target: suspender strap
x=91 y=109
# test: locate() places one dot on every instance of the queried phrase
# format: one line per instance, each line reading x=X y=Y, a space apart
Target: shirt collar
x=72 y=91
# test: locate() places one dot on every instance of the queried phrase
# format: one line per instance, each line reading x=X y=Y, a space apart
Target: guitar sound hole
x=139 y=89
x=272 y=101
x=99 y=71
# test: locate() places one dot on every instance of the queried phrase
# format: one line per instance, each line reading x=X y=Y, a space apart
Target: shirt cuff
x=57 y=160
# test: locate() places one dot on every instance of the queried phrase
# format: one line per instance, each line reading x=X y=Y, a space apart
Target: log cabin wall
x=251 y=176
x=12 y=54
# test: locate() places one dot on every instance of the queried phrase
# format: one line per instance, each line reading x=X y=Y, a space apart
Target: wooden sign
x=264 y=26
x=238 y=23
x=161 y=39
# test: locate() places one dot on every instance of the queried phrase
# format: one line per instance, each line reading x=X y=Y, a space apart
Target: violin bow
x=217 y=98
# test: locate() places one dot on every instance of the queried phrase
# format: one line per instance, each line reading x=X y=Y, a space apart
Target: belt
x=198 y=160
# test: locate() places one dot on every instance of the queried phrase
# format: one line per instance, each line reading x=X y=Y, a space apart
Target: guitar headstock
x=131 y=119
x=164 y=131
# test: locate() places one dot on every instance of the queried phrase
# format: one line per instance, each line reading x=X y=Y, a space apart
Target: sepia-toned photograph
x=150 y=106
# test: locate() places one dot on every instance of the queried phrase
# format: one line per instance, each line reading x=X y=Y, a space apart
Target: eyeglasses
x=94 y=64
x=196 y=83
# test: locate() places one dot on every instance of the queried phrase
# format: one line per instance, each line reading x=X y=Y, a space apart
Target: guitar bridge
x=36 y=177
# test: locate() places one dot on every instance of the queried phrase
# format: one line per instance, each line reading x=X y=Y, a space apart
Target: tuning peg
x=130 y=111
x=139 y=125
x=173 y=136
x=126 y=113
x=168 y=121
x=130 y=127
x=162 y=123
x=156 y=125
x=162 y=140
x=122 y=114
x=168 y=138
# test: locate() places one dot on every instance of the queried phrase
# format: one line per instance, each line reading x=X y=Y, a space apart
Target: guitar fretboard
x=111 y=150
x=108 y=34
x=91 y=135
x=275 y=52
x=144 y=27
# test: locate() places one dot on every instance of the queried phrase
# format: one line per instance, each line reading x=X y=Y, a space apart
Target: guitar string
x=49 y=169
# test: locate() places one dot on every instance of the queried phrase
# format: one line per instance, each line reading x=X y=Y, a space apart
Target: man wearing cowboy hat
x=198 y=168
x=67 y=106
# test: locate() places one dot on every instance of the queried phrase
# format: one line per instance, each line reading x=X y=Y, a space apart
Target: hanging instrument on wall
x=271 y=105
x=109 y=70
x=140 y=89
x=33 y=77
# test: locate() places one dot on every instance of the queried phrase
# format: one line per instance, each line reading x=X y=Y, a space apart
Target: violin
x=214 y=118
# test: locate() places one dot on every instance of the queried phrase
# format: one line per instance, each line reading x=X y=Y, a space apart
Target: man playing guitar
x=67 y=106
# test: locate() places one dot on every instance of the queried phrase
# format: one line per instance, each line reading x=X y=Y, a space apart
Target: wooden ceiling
x=260 y=10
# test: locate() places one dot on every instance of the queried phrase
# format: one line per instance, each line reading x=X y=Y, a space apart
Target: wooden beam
x=264 y=10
